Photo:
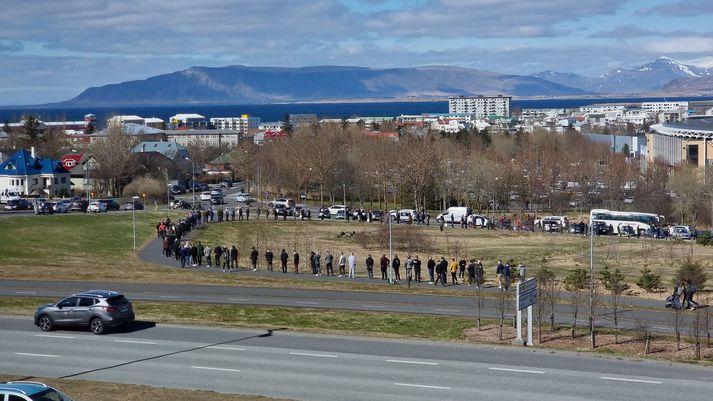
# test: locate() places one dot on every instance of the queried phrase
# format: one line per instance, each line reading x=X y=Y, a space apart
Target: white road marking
x=306 y=303
x=135 y=342
x=26 y=292
x=317 y=355
x=169 y=296
x=372 y=306
x=447 y=310
x=218 y=369
x=422 y=386
x=228 y=348
x=239 y=299
x=40 y=355
x=55 y=336
x=621 y=379
x=412 y=362
x=539 y=372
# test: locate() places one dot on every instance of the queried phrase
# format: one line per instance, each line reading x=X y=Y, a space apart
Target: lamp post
x=134 y=200
x=193 y=178
x=344 y=198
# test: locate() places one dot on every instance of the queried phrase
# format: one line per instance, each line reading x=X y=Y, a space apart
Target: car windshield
x=50 y=395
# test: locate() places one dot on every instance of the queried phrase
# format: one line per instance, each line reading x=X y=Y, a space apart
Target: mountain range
x=255 y=85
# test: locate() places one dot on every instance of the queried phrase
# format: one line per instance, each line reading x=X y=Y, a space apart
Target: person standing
x=384 y=264
x=207 y=250
x=417 y=268
x=318 y=264
x=461 y=269
x=233 y=258
x=471 y=272
x=226 y=259
x=253 y=258
x=522 y=269
x=479 y=273
x=431 y=266
x=396 y=264
x=440 y=266
x=296 y=262
x=218 y=254
x=499 y=273
x=370 y=266
x=283 y=260
x=342 y=264
x=506 y=276
x=240 y=213
x=268 y=259
x=454 y=271
x=247 y=213
x=352 y=266
x=199 y=255
x=194 y=255
x=329 y=260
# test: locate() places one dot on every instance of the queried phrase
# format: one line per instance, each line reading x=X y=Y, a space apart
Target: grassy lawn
x=99 y=248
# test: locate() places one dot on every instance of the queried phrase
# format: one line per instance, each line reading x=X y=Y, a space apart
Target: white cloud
x=685 y=45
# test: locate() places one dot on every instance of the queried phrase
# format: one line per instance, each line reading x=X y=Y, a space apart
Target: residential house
x=30 y=175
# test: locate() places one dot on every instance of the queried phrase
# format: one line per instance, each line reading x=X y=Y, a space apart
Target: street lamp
x=193 y=178
x=344 y=197
x=134 y=200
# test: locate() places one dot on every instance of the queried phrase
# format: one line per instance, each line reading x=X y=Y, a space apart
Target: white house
x=27 y=174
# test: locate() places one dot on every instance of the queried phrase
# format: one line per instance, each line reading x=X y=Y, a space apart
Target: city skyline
x=51 y=51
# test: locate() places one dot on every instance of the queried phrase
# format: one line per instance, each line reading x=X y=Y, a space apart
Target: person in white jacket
x=352 y=265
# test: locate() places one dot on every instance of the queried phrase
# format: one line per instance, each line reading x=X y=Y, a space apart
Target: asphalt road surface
x=329 y=368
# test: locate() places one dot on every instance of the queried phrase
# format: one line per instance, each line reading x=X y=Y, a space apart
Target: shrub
x=649 y=281
x=693 y=272
x=153 y=188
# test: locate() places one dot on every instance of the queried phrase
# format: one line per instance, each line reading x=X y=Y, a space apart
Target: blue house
x=27 y=174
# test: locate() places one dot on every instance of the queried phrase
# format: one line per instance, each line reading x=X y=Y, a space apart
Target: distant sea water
x=276 y=112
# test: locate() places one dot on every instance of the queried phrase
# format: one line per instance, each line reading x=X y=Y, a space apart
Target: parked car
x=96 y=207
x=179 y=204
x=30 y=391
x=43 y=207
x=111 y=204
x=334 y=209
x=61 y=206
x=226 y=183
x=280 y=210
x=78 y=205
x=376 y=215
x=205 y=196
x=627 y=230
x=341 y=214
x=324 y=213
x=178 y=189
x=134 y=205
x=244 y=198
x=680 y=232
x=477 y=220
x=6 y=196
x=97 y=309
x=18 y=204
x=285 y=201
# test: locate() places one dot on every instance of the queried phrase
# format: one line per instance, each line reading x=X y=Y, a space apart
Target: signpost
x=526 y=297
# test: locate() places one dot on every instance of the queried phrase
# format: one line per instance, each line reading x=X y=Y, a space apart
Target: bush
x=693 y=272
x=705 y=239
x=153 y=188
x=649 y=281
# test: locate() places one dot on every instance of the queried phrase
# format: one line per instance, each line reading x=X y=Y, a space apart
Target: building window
x=34 y=181
x=56 y=181
x=64 y=180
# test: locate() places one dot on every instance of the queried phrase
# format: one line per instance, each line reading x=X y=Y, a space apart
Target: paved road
x=329 y=368
x=307 y=298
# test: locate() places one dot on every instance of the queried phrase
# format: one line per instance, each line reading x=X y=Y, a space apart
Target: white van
x=8 y=196
x=455 y=213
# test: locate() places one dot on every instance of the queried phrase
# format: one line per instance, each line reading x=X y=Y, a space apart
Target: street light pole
x=133 y=217
x=193 y=178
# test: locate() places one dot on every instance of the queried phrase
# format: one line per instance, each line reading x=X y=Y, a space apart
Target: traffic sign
x=527 y=286
x=526 y=299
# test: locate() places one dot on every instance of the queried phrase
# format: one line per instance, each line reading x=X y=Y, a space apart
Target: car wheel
x=45 y=323
x=97 y=326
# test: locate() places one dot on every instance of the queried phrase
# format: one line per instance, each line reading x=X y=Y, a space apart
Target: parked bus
x=640 y=222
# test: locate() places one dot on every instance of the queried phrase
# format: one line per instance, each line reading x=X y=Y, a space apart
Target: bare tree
x=115 y=160
x=502 y=302
x=545 y=303
x=615 y=283
x=687 y=183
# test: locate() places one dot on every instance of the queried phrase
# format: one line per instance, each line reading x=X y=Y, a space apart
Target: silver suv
x=98 y=309
x=30 y=391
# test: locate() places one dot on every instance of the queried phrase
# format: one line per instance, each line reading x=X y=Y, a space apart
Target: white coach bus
x=640 y=222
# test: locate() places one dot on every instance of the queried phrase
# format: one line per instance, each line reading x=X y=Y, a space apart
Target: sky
x=52 y=50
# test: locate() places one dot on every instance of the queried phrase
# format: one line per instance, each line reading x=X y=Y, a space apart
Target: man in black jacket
x=370 y=266
x=283 y=260
x=253 y=258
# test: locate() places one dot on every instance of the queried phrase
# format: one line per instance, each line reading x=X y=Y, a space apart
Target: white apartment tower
x=242 y=124
x=481 y=106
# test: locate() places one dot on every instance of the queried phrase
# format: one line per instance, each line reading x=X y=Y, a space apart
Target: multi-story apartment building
x=481 y=106
x=242 y=124
x=190 y=121
x=658 y=107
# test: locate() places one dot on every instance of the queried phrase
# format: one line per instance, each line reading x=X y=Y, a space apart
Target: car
x=96 y=206
x=6 y=196
x=99 y=310
x=135 y=205
x=477 y=220
x=18 y=204
x=180 y=204
x=178 y=189
x=61 y=206
x=244 y=198
x=334 y=209
x=43 y=207
x=280 y=209
x=627 y=230
x=376 y=215
x=216 y=199
x=226 y=183
x=30 y=391
x=601 y=228
x=285 y=201
x=407 y=214
x=205 y=196
x=324 y=213
x=681 y=232
x=111 y=204
x=78 y=205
